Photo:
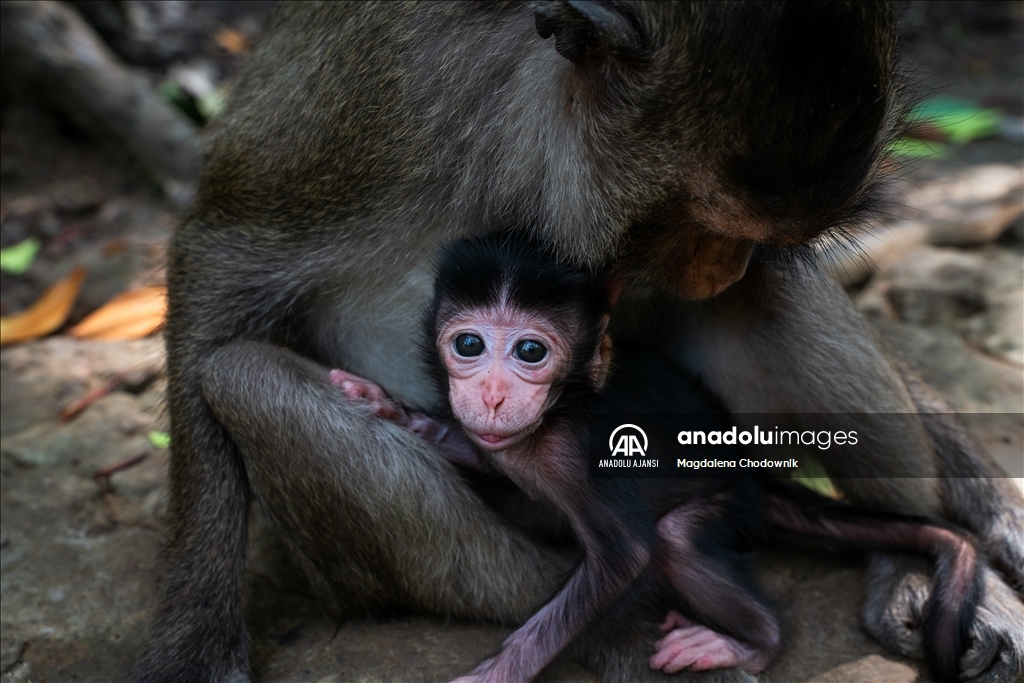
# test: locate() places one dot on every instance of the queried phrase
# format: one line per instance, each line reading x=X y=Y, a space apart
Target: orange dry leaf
x=231 y=40
x=131 y=315
x=47 y=314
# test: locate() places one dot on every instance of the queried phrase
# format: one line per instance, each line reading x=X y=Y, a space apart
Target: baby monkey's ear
x=601 y=363
x=613 y=286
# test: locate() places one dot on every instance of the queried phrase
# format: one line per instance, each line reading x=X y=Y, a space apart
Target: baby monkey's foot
x=698 y=648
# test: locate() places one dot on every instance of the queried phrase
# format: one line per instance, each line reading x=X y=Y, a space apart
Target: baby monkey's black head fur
x=510 y=271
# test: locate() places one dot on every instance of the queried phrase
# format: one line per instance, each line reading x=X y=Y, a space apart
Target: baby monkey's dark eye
x=469 y=345
x=530 y=351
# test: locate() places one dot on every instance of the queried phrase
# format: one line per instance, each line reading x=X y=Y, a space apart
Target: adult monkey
x=670 y=138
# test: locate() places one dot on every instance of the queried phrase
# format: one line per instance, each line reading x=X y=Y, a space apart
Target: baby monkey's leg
x=737 y=628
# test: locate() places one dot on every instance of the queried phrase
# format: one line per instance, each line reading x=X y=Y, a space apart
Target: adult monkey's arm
x=788 y=342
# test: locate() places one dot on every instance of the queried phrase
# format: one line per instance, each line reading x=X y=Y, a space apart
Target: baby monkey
x=517 y=341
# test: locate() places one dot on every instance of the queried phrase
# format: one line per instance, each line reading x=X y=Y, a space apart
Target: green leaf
x=917 y=149
x=18 y=258
x=210 y=105
x=172 y=91
x=960 y=120
x=813 y=475
x=160 y=439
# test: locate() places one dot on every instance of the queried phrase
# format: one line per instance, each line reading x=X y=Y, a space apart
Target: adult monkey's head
x=718 y=126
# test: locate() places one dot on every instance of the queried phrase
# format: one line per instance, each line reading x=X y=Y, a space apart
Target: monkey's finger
x=674 y=620
x=354 y=390
x=679 y=633
x=701 y=650
x=427 y=428
x=389 y=411
x=716 y=655
x=680 y=641
x=338 y=376
x=679 y=663
x=675 y=658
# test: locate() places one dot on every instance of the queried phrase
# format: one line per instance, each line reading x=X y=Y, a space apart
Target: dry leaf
x=231 y=40
x=47 y=314
x=131 y=315
x=114 y=247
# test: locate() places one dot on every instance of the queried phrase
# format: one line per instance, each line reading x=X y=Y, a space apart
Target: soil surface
x=80 y=553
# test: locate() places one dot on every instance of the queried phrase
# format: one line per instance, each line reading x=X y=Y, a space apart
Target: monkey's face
x=501 y=366
x=716 y=127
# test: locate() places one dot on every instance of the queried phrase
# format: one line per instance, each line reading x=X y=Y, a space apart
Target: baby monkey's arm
x=449 y=438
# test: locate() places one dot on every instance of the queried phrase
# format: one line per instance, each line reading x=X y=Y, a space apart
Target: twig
x=123 y=465
x=81 y=404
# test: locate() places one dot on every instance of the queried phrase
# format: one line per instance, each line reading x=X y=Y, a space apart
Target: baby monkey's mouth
x=491 y=442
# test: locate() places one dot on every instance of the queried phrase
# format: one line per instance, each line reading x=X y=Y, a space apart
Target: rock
x=1002 y=437
x=10 y=651
x=969 y=380
x=20 y=673
x=108 y=432
x=1015 y=231
x=971 y=207
x=1007 y=335
x=144 y=478
x=819 y=597
x=41 y=378
x=1001 y=333
x=928 y=285
x=979 y=295
x=874 y=249
x=79 y=595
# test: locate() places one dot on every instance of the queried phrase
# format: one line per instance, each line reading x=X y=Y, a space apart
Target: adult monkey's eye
x=530 y=351
x=468 y=345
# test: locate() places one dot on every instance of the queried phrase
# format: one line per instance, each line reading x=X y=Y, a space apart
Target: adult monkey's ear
x=585 y=27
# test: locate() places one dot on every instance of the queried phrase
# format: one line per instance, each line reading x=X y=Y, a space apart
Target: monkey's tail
x=957 y=585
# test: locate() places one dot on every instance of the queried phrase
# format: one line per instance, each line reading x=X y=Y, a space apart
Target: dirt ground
x=80 y=554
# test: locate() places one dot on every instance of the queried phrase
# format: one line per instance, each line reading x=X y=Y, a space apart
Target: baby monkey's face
x=501 y=367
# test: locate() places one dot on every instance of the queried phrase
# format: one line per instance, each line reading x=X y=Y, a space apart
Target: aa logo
x=625 y=440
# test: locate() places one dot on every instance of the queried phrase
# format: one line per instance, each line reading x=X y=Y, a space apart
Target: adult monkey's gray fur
x=670 y=139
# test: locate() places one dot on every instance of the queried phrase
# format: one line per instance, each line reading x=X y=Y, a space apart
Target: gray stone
x=108 y=432
x=929 y=285
x=974 y=206
x=971 y=207
x=969 y=380
x=819 y=597
x=870 y=250
x=10 y=650
x=41 y=378
x=978 y=295
x=20 y=673
x=76 y=586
